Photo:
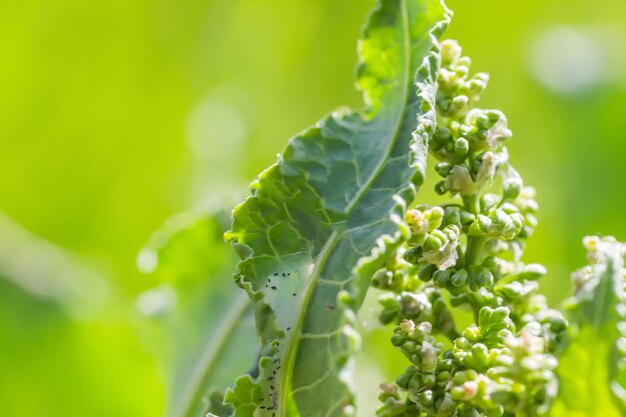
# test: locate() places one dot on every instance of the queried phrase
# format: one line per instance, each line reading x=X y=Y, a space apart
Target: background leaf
x=589 y=364
x=200 y=322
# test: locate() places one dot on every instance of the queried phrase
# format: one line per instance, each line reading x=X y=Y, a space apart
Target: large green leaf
x=322 y=218
x=589 y=368
x=199 y=321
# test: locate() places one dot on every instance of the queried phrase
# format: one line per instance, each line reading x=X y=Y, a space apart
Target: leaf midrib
x=213 y=350
x=293 y=342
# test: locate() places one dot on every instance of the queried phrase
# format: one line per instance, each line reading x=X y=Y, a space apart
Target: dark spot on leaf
x=273 y=287
x=330 y=306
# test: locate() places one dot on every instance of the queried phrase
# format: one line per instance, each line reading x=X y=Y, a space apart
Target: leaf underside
x=335 y=199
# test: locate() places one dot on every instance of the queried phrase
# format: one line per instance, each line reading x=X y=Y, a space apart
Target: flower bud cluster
x=471 y=249
x=489 y=370
x=397 y=276
x=434 y=237
x=504 y=370
x=426 y=305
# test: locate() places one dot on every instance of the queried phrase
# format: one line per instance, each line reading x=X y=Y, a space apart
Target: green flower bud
x=409 y=346
x=426 y=272
x=425 y=397
x=482 y=121
x=443 y=134
x=415 y=382
x=484 y=223
x=511 y=188
x=459 y=279
x=471 y=333
x=484 y=278
x=435 y=217
x=488 y=201
x=464 y=61
x=461 y=377
x=451 y=217
x=429 y=379
x=526 y=232
x=443 y=376
x=461 y=71
x=429 y=357
x=474 y=88
x=434 y=241
x=397 y=339
x=462 y=343
x=531 y=220
x=499 y=314
x=443 y=168
x=403 y=380
x=491 y=263
x=480 y=355
x=518 y=221
x=424 y=328
x=509 y=208
x=413 y=255
x=461 y=147
x=441 y=187
x=441 y=278
x=533 y=272
x=450 y=51
x=451 y=232
x=502 y=220
x=466 y=217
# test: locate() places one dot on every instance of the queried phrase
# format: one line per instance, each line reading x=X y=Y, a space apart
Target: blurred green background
x=115 y=115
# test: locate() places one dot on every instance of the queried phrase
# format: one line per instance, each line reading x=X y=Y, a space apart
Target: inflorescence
x=466 y=254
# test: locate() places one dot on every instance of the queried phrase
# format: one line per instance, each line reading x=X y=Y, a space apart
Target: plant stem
x=474 y=250
x=474 y=244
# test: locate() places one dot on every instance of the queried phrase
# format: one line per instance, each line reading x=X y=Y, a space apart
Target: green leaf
x=326 y=215
x=584 y=374
x=589 y=366
x=201 y=323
